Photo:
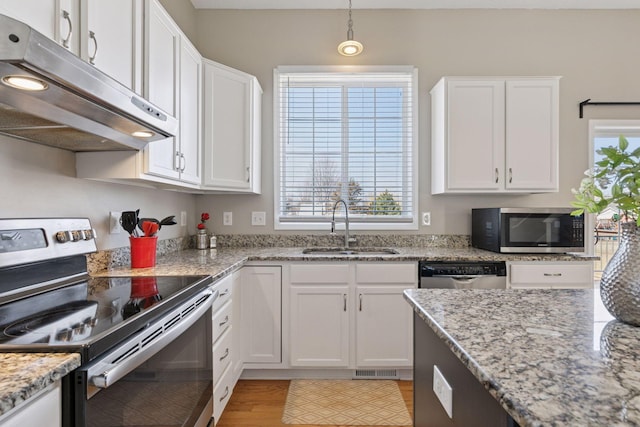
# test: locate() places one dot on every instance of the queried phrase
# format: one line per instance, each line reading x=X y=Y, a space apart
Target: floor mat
x=345 y=402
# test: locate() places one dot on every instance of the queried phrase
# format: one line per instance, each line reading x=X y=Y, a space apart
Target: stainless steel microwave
x=527 y=230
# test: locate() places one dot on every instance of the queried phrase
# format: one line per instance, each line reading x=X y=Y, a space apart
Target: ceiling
x=417 y=4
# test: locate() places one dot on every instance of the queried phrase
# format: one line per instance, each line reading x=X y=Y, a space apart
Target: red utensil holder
x=143 y=251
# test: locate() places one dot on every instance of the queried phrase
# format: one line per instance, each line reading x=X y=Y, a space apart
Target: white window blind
x=350 y=136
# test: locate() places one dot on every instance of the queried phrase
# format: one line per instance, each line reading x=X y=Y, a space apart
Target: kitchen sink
x=350 y=251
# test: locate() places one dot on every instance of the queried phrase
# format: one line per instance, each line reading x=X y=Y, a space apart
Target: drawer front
x=551 y=274
x=221 y=355
x=387 y=273
x=319 y=273
x=223 y=286
x=221 y=320
x=221 y=394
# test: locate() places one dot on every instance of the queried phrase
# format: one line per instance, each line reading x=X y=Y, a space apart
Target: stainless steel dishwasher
x=462 y=275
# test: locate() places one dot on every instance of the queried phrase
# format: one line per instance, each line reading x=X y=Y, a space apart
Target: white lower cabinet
x=350 y=315
x=224 y=353
x=550 y=275
x=261 y=324
x=42 y=410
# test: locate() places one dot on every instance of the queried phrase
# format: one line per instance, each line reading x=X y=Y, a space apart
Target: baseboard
x=317 y=373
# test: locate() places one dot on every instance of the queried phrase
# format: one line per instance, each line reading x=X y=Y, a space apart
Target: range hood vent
x=81 y=109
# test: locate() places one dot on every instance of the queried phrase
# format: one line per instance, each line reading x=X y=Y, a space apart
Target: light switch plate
x=227 y=218
x=114 y=222
x=426 y=218
x=443 y=391
x=258 y=218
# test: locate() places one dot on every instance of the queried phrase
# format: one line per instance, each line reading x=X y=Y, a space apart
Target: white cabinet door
x=236 y=319
x=495 y=135
x=44 y=409
x=319 y=325
x=112 y=39
x=532 y=134
x=474 y=152
x=261 y=301
x=231 y=129
x=384 y=333
x=56 y=19
x=190 y=113
x=162 y=56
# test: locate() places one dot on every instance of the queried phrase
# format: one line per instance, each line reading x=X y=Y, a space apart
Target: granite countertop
x=25 y=374
x=550 y=357
x=222 y=261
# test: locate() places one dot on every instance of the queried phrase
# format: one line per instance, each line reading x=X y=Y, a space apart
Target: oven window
x=172 y=388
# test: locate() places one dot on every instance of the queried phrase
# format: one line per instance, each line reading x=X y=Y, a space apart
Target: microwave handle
x=103 y=373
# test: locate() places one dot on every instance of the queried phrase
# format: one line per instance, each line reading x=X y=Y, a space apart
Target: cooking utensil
x=170 y=220
x=129 y=220
x=150 y=228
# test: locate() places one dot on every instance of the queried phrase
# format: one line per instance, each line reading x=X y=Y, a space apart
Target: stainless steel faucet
x=346 y=221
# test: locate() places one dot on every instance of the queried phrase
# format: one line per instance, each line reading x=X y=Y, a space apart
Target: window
x=346 y=134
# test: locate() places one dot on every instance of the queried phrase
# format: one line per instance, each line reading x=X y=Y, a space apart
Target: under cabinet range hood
x=69 y=103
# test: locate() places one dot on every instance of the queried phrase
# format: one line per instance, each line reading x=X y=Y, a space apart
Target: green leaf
x=623 y=143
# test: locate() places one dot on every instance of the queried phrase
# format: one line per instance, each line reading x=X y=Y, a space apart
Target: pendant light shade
x=350 y=47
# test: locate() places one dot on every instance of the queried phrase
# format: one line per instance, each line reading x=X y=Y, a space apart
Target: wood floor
x=259 y=403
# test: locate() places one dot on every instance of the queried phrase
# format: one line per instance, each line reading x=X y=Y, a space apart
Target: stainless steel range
x=145 y=342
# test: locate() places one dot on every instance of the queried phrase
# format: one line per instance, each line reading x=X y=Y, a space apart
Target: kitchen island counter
x=549 y=357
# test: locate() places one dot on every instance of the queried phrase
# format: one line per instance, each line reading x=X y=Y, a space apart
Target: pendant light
x=350 y=47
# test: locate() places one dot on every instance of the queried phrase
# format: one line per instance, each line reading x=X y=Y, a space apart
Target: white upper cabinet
x=111 y=39
x=232 y=126
x=492 y=135
x=173 y=81
x=56 y=19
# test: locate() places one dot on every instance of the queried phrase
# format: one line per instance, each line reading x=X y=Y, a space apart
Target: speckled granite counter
x=550 y=357
x=24 y=375
x=220 y=262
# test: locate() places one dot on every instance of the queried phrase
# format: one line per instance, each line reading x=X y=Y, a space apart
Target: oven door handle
x=129 y=355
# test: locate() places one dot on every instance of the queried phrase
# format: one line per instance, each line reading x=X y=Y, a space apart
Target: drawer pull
x=553 y=274
x=225 y=355
x=344 y=299
x=221 y=294
x=225 y=321
x=226 y=393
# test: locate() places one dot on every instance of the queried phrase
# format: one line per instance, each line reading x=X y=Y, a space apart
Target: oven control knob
x=89 y=234
x=64 y=334
x=63 y=236
x=77 y=235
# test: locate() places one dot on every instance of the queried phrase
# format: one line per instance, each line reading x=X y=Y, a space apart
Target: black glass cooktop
x=91 y=315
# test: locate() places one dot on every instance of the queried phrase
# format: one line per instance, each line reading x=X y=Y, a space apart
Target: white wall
x=39 y=181
x=597 y=53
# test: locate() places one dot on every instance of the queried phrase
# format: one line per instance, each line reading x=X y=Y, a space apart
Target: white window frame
x=604 y=128
x=323 y=225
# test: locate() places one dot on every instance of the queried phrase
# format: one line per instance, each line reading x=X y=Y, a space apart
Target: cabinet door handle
x=183 y=162
x=344 y=300
x=177 y=162
x=226 y=393
x=225 y=355
x=248 y=173
x=497 y=175
x=552 y=274
x=92 y=58
x=65 y=41
x=225 y=292
x=360 y=302
x=510 y=175
x=224 y=322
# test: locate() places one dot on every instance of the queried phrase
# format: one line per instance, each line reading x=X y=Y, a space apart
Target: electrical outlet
x=426 y=218
x=443 y=391
x=114 y=222
x=258 y=218
x=183 y=218
x=227 y=218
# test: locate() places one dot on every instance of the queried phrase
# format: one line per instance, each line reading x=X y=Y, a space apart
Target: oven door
x=162 y=376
